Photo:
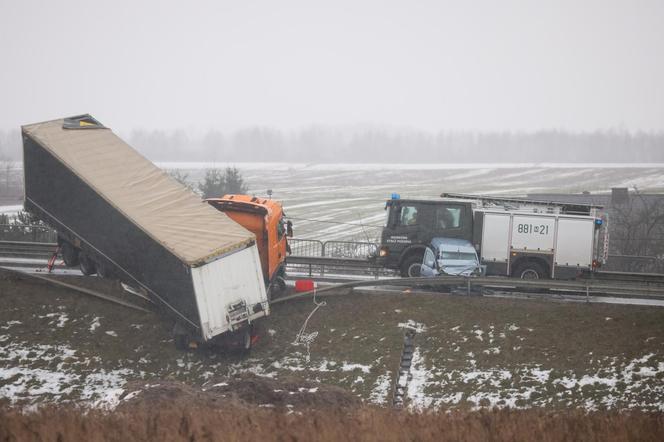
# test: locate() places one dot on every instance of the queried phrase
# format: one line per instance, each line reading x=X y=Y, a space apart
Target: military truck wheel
x=86 y=265
x=530 y=270
x=69 y=254
x=410 y=267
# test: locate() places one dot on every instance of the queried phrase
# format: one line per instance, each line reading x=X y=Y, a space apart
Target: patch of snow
x=8 y=324
x=351 y=367
x=95 y=324
x=492 y=351
x=478 y=334
x=112 y=333
x=412 y=325
x=131 y=395
x=381 y=389
x=420 y=378
x=271 y=332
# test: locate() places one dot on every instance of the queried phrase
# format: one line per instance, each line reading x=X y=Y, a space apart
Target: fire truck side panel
x=533 y=233
x=574 y=245
x=495 y=237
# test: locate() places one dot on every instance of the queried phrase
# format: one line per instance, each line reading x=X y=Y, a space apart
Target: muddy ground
x=59 y=346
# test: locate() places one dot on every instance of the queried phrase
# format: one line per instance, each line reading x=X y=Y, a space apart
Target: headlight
x=384 y=251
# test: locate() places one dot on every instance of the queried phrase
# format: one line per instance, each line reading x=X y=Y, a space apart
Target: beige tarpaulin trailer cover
x=163 y=208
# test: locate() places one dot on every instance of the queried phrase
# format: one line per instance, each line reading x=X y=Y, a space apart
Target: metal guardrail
x=306 y=247
x=315 y=258
x=335 y=249
x=320 y=259
x=634 y=263
x=25 y=249
x=27 y=232
x=349 y=249
x=322 y=266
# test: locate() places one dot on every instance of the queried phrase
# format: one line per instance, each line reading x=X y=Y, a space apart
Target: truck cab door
x=406 y=221
x=452 y=221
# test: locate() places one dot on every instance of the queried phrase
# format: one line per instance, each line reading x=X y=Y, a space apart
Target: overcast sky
x=434 y=65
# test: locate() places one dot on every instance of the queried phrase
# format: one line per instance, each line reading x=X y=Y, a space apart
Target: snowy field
x=471 y=352
x=356 y=193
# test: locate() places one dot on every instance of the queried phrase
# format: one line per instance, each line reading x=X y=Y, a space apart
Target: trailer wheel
x=246 y=340
x=410 y=267
x=181 y=341
x=104 y=270
x=69 y=254
x=530 y=270
x=86 y=265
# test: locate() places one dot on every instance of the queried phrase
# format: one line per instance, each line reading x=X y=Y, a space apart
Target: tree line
x=361 y=144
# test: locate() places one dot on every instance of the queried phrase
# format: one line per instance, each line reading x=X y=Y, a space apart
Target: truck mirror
x=289 y=229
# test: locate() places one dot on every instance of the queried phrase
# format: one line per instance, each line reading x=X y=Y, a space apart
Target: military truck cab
x=411 y=225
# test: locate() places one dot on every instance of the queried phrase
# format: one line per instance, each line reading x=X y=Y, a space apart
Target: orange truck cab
x=265 y=219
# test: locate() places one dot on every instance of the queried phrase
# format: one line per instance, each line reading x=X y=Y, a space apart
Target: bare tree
x=7 y=168
x=637 y=229
x=182 y=178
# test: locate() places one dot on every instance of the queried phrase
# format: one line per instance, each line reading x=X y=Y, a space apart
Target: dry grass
x=236 y=422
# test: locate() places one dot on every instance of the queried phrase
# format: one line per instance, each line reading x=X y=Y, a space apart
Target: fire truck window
x=408 y=215
x=448 y=217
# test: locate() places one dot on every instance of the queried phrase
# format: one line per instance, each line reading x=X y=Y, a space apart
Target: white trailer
x=538 y=245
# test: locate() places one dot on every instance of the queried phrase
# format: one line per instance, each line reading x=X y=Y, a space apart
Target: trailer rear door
x=234 y=279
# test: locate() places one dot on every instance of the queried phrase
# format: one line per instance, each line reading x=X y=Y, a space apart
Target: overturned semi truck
x=117 y=213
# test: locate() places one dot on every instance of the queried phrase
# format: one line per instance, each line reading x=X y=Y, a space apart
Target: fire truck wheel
x=410 y=267
x=530 y=270
x=69 y=254
x=86 y=265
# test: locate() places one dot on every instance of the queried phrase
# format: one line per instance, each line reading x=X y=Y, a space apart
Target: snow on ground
x=56 y=378
x=381 y=389
x=413 y=325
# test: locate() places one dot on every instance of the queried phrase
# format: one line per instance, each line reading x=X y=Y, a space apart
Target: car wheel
x=69 y=254
x=411 y=266
x=530 y=270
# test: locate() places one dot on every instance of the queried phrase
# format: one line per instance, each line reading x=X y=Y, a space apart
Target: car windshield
x=458 y=256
